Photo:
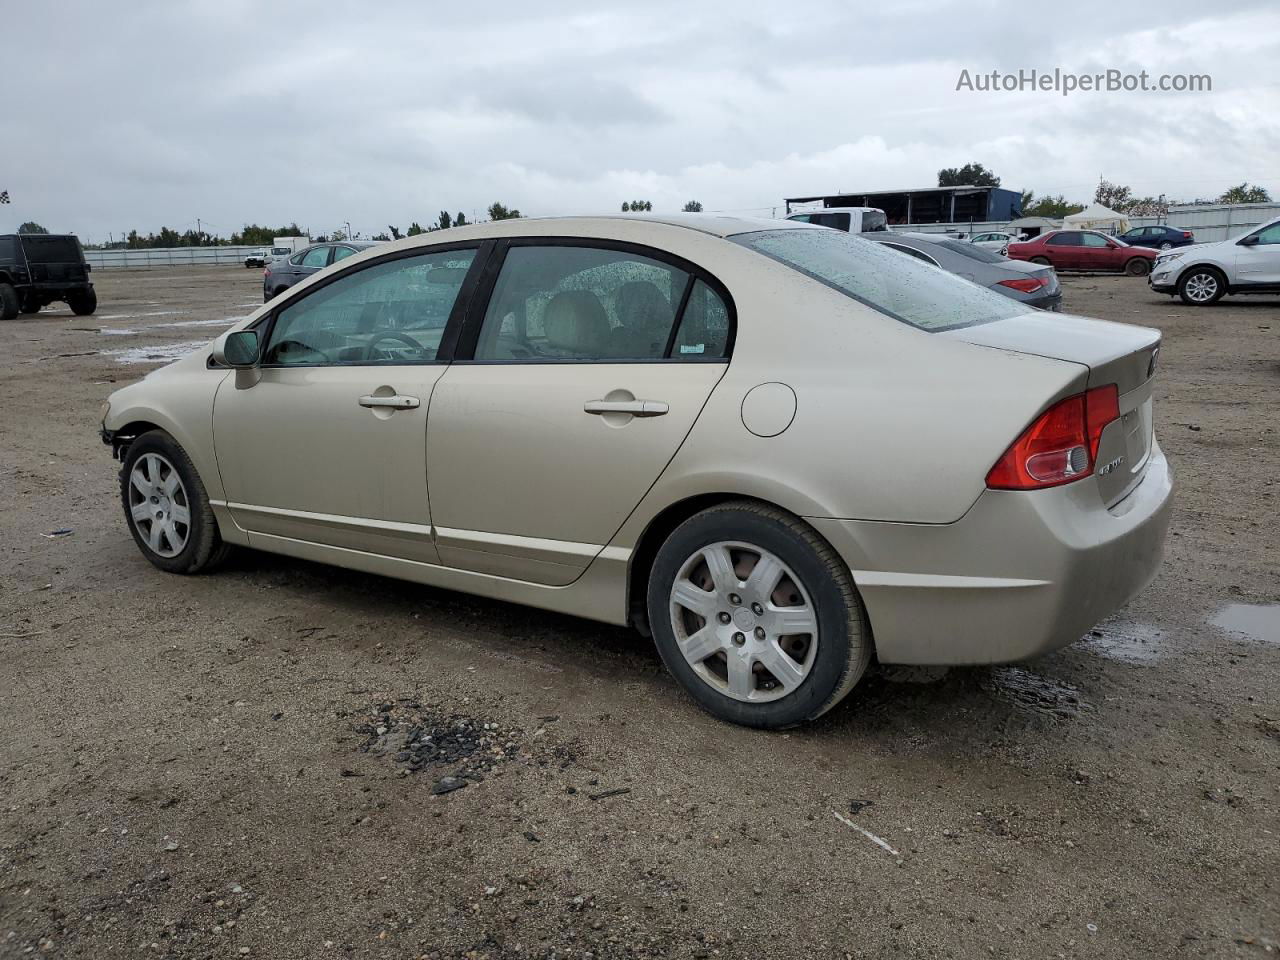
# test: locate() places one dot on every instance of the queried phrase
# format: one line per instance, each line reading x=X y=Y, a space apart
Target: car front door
x=566 y=401
x=1259 y=262
x=1096 y=252
x=325 y=441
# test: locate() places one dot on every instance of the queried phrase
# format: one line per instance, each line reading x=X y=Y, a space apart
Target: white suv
x=1202 y=273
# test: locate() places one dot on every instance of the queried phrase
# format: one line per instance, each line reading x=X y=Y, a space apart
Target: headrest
x=575 y=321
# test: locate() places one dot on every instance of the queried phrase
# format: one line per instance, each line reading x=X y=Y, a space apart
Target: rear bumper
x=1051 y=302
x=1021 y=574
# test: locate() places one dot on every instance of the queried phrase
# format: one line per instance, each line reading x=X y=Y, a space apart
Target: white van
x=849 y=219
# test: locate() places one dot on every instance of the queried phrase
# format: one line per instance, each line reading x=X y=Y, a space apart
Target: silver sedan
x=1034 y=284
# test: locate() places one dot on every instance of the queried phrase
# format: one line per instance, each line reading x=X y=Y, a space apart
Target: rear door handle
x=393 y=402
x=637 y=408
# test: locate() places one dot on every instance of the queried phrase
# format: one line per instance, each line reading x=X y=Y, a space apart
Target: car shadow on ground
x=939 y=704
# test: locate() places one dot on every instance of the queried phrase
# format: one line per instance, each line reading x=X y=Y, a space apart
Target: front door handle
x=394 y=402
x=637 y=408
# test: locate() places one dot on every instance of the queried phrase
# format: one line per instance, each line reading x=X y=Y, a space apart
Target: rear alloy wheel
x=757 y=616
x=1201 y=286
x=167 y=507
x=1138 y=267
x=1166 y=245
x=9 y=302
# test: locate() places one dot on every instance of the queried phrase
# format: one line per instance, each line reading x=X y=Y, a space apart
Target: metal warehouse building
x=926 y=204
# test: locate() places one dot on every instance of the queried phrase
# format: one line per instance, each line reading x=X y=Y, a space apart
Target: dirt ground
x=193 y=767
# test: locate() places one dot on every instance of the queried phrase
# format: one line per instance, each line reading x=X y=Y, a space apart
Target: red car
x=1084 y=250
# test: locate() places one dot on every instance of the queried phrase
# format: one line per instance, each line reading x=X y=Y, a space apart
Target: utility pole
x=197 y=228
x=349 y=237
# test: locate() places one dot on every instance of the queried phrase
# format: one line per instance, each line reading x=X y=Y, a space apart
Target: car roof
x=717 y=225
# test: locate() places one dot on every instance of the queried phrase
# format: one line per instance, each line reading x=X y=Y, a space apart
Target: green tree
x=499 y=212
x=31 y=227
x=395 y=232
x=1243 y=193
x=414 y=229
x=1053 y=208
x=460 y=220
x=444 y=221
x=637 y=206
x=693 y=206
x=971 y=174
x=382 y=237
x=1113 y=195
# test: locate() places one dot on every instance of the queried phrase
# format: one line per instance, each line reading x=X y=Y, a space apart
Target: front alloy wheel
x=167 y=508
x=158 y=505
x=1200 y=287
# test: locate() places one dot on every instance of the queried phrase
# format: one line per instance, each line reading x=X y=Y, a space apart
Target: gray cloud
x=152 y=114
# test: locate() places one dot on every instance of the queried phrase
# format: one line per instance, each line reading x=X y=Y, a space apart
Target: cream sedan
x=778 y=449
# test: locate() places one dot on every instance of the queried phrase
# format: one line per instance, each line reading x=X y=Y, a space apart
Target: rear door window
x=316 y=257
x=1064 y=240
x=569 y=303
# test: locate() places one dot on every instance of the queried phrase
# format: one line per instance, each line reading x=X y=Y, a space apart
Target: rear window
x=41 y=249
x=906 y=289
x=8 y=249
x=874 y=220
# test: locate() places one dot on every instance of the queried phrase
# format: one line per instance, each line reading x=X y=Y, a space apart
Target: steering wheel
x=402 y=338
x=284 y=346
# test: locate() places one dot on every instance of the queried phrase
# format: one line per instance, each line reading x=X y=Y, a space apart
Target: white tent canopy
x=1096 y=217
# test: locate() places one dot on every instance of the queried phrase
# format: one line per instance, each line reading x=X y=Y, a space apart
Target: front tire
x=1138 y=267
x=9 y=302
x=83 y=304
x=167 y=507
x=757 y=616
x=1201 y=286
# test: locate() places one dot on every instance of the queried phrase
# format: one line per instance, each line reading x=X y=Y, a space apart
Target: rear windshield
x=970 y=251
x=42 y=249
x=909 y=290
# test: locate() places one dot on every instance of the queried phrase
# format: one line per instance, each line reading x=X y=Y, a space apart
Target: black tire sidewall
x=10 y=302
x=1137 y=267
x=84 y=303
x=832 y=658
x=202 y=537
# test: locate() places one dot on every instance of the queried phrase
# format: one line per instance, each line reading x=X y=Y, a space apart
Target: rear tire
x=83 y=304
x=1137 y=267
x=31 y=306
x=767 y=646
x=1201 y=286
x=1044 y=261
x=9 y=302
x=167 y=508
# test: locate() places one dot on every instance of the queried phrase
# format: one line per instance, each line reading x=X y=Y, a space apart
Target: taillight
x=1187 y=234
x=1026 y=284
x=1061 y=446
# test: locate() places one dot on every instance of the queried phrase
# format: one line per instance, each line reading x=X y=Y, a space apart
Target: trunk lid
x=1118 y=353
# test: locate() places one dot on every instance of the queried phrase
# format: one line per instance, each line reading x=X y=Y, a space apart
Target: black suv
x=39 y=268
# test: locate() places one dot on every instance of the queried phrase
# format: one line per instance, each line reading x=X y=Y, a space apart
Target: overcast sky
x=138 y=115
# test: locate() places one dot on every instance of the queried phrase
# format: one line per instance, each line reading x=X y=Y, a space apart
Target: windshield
x=906 y=289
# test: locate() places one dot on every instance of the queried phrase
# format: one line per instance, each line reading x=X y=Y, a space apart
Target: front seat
x=576 y=324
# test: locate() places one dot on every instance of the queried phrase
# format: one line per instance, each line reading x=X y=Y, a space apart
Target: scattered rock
x=447 y=785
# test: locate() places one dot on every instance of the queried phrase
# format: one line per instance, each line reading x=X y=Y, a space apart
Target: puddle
x=1033 y=693
x=137 y=316
x=1257 y=621
x=1128 y=642
x=221 y=321
x=116 y=332
x=157 y=353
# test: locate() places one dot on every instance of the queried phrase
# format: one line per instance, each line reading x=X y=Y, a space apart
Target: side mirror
x=1249 y=241
x=239 y=349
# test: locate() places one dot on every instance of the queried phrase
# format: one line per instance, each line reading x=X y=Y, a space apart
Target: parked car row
x=1203 y=274
x=1084 y=250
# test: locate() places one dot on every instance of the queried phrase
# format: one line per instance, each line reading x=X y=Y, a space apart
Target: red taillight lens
x=1187 y=234
x=1061 y=446
x=1026 y=284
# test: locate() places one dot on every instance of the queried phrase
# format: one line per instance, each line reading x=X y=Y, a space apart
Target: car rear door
x=325 y=441
x=571 y=391
x=1064 y=250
